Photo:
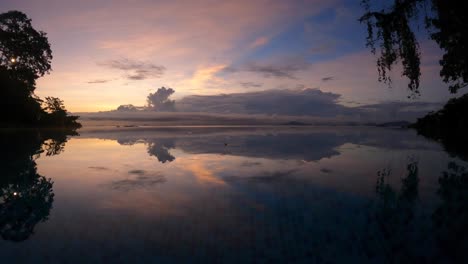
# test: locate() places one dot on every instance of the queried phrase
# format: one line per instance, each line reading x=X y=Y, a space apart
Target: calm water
x=231 y=195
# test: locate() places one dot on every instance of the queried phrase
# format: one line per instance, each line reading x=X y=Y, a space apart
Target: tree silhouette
x=25 y=203
x=392 y=222
x=448 y=126
x=451 y=216
x=24 y=51
x=25 y=55
x=391 y=30
x=26 y=197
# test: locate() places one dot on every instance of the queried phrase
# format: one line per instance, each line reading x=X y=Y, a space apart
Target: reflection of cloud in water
x=250 y=164
x=308 y=144
x=141 y=181
x=282 y=146
x=160 y=149
x=156 y=147
x=266 y=177
x=203 y=174
x=325 y=170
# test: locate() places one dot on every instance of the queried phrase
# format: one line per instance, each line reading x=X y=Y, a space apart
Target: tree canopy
x=391 y=28
x=24 y=51
x=25 y=56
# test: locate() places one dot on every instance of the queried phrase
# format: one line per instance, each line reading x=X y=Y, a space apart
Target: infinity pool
x=231 y=195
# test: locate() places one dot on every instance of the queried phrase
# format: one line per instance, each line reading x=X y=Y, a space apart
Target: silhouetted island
x=399 y=124
x=295 y=123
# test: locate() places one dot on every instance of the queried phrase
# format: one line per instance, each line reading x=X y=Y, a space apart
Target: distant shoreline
x=130 y=119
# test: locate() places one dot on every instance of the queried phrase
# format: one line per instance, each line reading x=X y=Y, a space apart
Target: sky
x=110 y=53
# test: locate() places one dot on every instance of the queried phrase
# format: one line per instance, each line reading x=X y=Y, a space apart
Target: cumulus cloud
x=159 y=100
x=135 y=70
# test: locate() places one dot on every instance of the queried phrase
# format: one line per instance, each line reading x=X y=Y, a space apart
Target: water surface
x=231 y=195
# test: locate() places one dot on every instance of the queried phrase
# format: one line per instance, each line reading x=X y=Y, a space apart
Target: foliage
x=54 y=105
x=401 y=222
x=18 y=106
x=448 y=125
x=23 y=50
x=26 y=197
x=394 y=215
x=391 y=30
x=451 y=216
x=25 y=55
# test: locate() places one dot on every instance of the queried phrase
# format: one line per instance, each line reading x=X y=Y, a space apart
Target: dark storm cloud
x=304 y=102
x=310 y=106
x=135 y=70
x=251 y=84
x=285 y=102
x=329 y=78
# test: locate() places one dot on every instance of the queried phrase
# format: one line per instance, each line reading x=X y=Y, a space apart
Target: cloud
x=251 y=84
x=135 y=70
x=98 y=81
x=204 y=80
x=159 y=100
x=284 y=102
x=280 y=70
x=260 y=41
x=98 y=168
x=138 y=172
x=304 y=102
x=329 y=78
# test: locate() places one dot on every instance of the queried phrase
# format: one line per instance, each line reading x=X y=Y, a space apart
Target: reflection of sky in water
x=228 y=196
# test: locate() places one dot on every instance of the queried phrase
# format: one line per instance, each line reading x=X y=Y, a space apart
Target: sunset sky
x=108 y=53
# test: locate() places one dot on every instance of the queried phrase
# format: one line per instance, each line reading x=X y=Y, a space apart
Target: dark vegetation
x=25 y=56
x=391 y=29
x=26 y=197
x=448 y=125
x=399 y=225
